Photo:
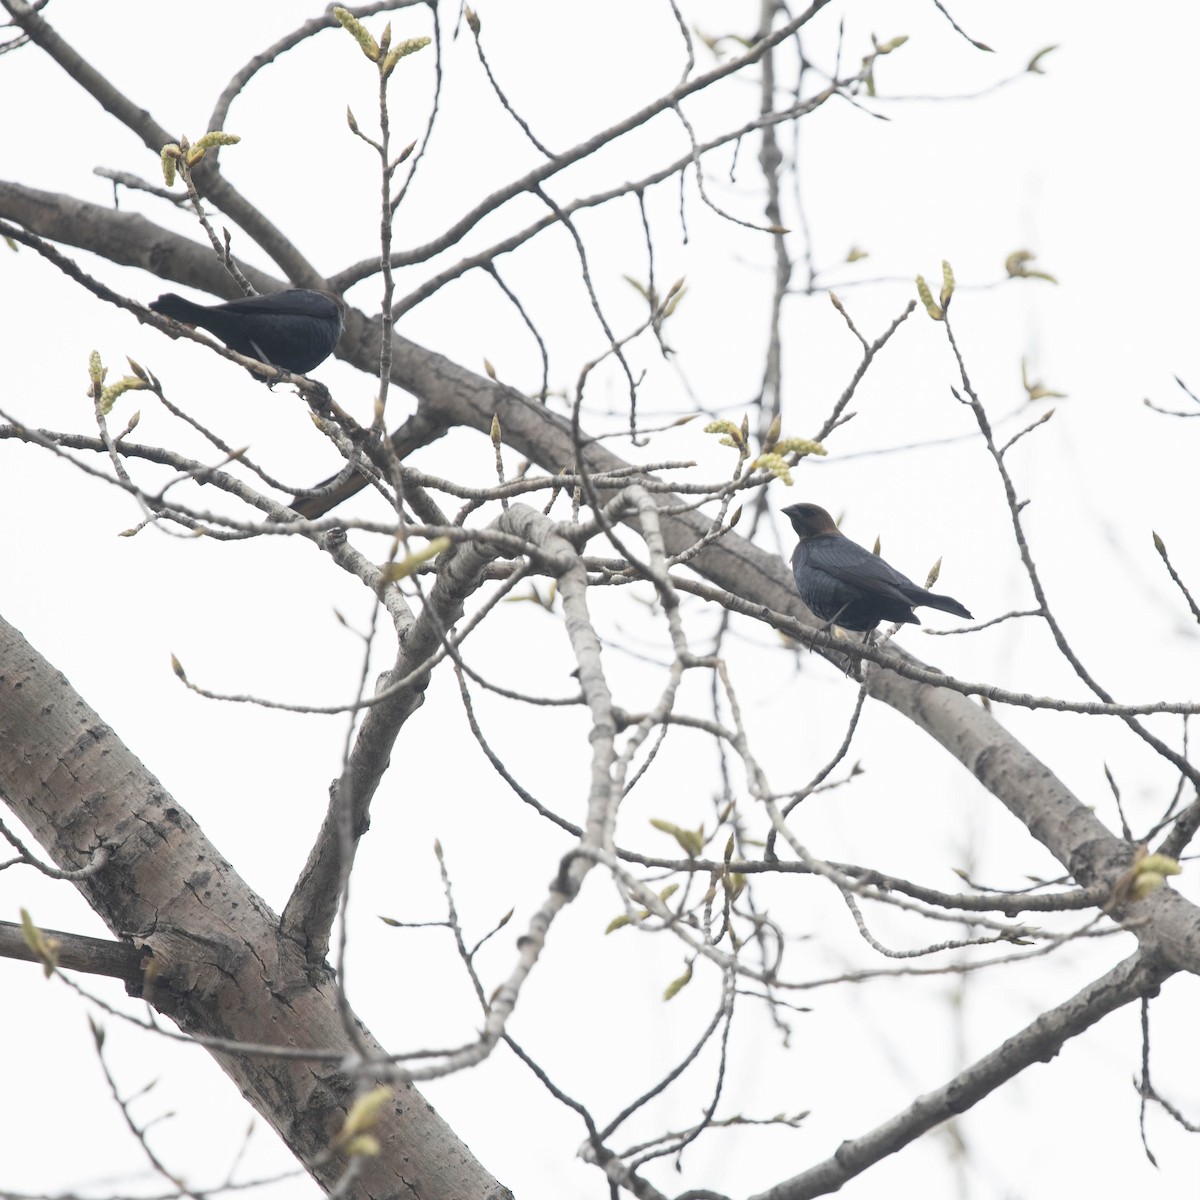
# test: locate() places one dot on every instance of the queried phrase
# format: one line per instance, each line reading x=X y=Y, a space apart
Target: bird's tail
x=177 y=308
x=946 y=604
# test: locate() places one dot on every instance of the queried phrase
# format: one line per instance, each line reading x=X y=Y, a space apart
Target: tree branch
x=222 y=968
x=1139 y=975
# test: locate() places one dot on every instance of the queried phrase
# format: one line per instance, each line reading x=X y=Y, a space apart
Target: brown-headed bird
x=294 y=329
x=846 y=585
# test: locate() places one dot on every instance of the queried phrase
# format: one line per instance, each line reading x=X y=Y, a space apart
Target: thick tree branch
x=222 y=967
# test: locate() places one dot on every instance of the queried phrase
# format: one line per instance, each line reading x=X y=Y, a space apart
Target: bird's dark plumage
x=848 y=586
x=295 y=329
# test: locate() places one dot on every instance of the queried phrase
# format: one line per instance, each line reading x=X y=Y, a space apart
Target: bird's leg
x=831 y=625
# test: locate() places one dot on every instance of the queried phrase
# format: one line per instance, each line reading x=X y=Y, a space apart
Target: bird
x=295 y=329
x=846 y=585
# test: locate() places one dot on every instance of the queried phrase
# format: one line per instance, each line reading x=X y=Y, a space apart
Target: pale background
x=1090 y=166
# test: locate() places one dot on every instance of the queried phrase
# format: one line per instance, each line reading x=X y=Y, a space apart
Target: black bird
x=295 y=329
x=846 y=585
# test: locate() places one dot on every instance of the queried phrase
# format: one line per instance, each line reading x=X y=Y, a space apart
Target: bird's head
x=810 y=520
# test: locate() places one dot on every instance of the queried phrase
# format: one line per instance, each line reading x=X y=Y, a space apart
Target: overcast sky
x=1089 y=166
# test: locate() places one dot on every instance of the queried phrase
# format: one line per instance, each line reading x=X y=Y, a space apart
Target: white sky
x=1090 y=166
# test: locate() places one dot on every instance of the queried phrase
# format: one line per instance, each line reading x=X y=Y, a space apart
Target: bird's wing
x=297 y=302
x=848 y=562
